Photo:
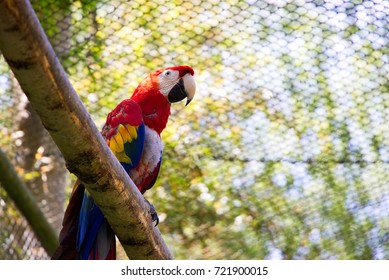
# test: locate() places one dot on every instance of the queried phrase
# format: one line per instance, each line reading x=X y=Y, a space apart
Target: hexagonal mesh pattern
x=286 y=146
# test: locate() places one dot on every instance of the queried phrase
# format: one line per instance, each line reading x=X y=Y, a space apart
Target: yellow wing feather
x=132 y=131
x=119 y=141
x=125 y=133
x=113 y=145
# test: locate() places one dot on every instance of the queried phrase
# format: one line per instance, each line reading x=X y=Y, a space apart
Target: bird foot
x=153 y=213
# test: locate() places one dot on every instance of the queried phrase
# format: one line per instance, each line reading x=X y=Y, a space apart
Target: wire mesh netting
x=283 y=153
x=17 y=239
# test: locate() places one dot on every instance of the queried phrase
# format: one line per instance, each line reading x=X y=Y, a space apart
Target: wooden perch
x=26 y=203
x=35 y=65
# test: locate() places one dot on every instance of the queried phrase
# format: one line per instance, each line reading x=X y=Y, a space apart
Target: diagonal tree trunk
x=37 y=153
x=39 y=156
x=62 y=113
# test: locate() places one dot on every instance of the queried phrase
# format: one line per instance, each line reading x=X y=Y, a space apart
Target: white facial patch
x=167 y=80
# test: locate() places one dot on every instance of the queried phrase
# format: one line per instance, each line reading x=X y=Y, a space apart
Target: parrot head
x=160 y=89
x=176 y=83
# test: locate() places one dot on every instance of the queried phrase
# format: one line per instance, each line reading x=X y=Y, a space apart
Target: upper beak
x=185 y=88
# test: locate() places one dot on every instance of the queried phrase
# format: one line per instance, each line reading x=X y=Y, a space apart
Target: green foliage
x=283 y=153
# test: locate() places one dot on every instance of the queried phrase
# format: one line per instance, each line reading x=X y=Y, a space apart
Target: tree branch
x=33 y=61
x=26 y=203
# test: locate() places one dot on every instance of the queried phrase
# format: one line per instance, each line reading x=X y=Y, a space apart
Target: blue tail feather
x=89 y=222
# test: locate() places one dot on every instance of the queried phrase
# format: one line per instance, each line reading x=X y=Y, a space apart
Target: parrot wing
x=124 y=133
x=85 y=233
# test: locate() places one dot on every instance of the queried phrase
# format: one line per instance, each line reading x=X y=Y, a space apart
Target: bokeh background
x=283 y=153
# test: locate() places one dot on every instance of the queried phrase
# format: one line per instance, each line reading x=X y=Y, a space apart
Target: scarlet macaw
x=132 y=131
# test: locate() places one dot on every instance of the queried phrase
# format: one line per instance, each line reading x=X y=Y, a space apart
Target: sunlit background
x=283 y=153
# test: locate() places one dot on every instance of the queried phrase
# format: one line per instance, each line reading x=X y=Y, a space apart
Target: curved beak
x=185 y=88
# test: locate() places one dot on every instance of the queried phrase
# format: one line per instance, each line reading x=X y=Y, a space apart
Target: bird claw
x=153 y=212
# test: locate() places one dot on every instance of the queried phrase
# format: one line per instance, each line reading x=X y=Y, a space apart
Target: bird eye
x=167 y=73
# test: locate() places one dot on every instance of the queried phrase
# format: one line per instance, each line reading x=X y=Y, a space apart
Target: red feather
x=67 y=237
x=149 y=104
x=127 y=112
x=154 y=105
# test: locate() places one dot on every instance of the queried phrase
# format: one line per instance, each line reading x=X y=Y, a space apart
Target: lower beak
x=185 y=88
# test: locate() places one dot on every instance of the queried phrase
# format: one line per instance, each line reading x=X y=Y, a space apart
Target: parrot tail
x=85 y=233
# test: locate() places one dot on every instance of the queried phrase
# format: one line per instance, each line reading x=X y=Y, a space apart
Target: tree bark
x=33 y=61
x=38 y=153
